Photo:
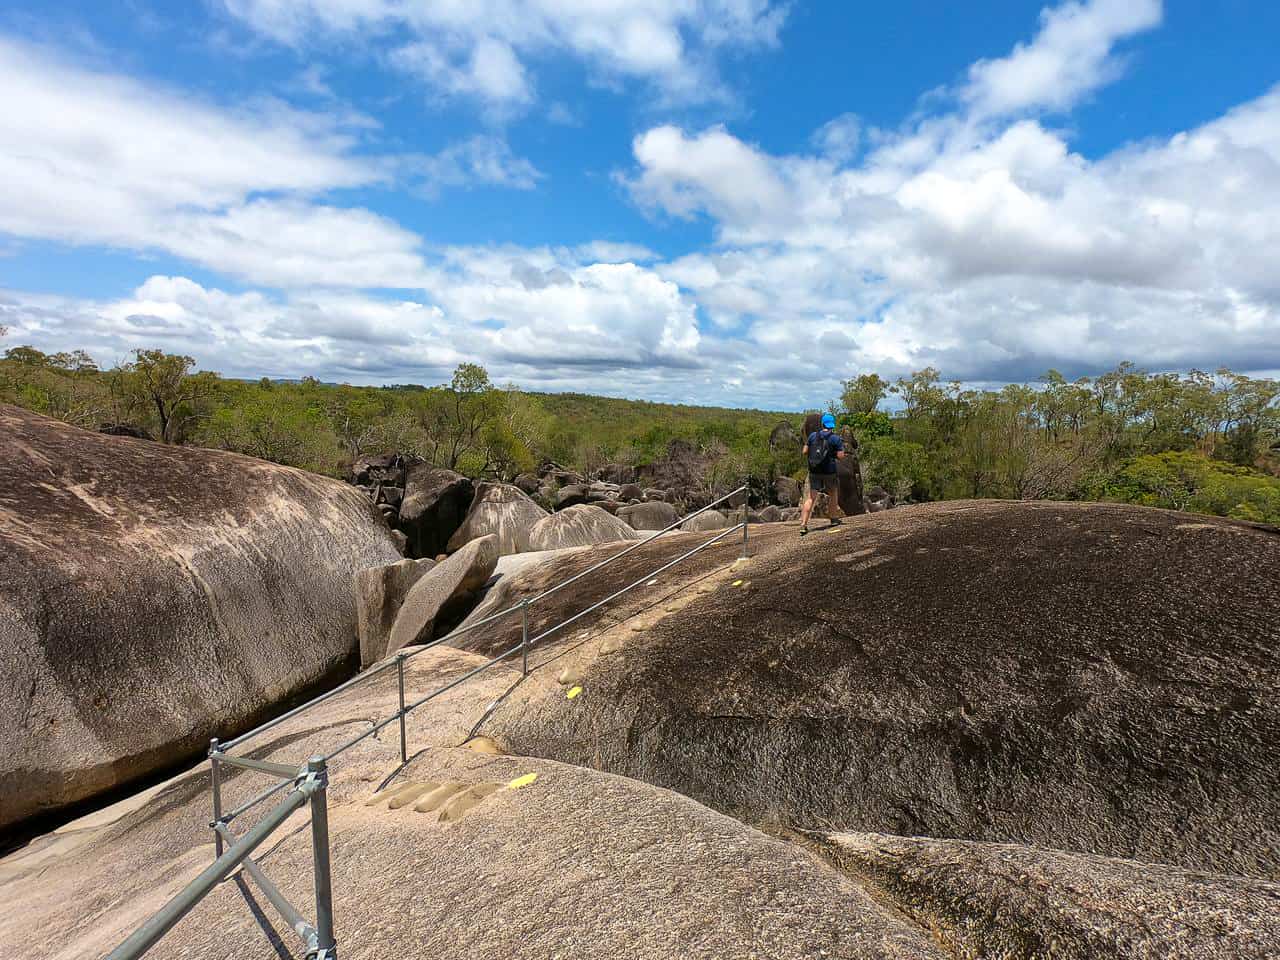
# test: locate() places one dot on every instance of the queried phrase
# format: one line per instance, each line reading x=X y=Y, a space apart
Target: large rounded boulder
x=153 y=596
x=503 y=510
x=435 y=504
x=1090 y=677
x=579 y=526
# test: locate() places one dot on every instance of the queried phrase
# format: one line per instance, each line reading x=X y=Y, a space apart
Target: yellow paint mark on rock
x=738 y=583
x=523 y=781
x=574 y=692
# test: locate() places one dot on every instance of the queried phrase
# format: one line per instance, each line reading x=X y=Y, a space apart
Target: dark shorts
x=821 y=482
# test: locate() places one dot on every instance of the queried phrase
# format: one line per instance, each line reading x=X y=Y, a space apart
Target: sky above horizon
x=737 y=202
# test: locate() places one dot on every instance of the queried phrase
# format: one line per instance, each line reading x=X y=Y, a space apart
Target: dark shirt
x=834 y=445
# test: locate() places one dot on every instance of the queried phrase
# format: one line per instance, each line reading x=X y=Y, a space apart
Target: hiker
x=823 y=447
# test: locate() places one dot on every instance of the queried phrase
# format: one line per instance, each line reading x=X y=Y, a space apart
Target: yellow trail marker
x=737 y=583
x=524 y=781
x=573 y=692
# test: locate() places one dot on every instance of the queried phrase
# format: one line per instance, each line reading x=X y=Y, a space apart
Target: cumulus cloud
x=978 y=241
x=481 y=48
x=1071 y=56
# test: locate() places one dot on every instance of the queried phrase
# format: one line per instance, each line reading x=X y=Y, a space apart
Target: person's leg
x=832 y=490
x=807 y=508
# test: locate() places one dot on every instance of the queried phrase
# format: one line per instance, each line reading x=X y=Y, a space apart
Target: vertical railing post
x=325 y=943
x=524 y=638
x=404 y=752
x=215 y=781
x=746 y=522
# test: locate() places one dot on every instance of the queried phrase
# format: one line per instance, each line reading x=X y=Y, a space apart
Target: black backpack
x=819 y=452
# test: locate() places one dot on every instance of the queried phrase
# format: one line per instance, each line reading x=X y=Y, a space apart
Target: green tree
x=863 y=393
x=164 y=384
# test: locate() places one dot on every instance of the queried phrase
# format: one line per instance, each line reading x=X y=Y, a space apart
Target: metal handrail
x=467 y=628
x=310 y=782
x=310 y=787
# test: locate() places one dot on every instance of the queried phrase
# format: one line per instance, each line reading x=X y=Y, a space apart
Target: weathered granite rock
x=630 y=491
x=503 y=510
x=435 y=503
x=574 y=864
x=786 y=491
x=1092 y=677
x=579 y=526
x=652 y=515
x=528 y=482
x=784 y=437
x=571 y=495
x=154 y=596
x=463 y=573
x=1007 y=900
x=380 y=591
x=617 y=473
x=707 y=520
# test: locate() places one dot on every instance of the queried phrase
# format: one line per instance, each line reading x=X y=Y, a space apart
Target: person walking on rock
x=823 y=448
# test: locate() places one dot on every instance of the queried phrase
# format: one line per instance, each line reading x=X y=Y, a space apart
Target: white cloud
x=95 y=158
x=988 y=247
x=481 y=47
x=1071 y=56
x=480 y=160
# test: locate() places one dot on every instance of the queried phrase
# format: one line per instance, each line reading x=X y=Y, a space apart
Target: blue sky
x=730 y=201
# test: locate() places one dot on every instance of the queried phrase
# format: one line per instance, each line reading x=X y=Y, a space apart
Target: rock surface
x=1006 y=900
x=502 y=510
x=380 y=591
x=1091 y=677
x=578 y=526
x=653 y=515
x=575 y=863
x=435 y=504
x=707 y=520
x=463 y=573
x=153 y=596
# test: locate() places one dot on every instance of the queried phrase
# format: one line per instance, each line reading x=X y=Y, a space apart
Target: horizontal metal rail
x=262 y=766
x=265 y=794
x=648 y=576
x=413 y=706
x=453 y=635
x=329 y=694
x=467 y=628
x=522 y=646
x=142 y=939
x=296 y=921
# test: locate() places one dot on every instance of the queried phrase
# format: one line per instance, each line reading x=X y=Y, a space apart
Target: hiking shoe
x=803 y=531
x=836 y=523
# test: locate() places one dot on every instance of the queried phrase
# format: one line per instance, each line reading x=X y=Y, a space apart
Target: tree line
x=1191 y=441
x=1188 y=441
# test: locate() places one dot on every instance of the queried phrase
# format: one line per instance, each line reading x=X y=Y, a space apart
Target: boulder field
x=970 y=729
x=152 y=597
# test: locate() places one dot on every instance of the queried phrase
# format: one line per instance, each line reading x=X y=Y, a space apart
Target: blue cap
x=828 y=421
